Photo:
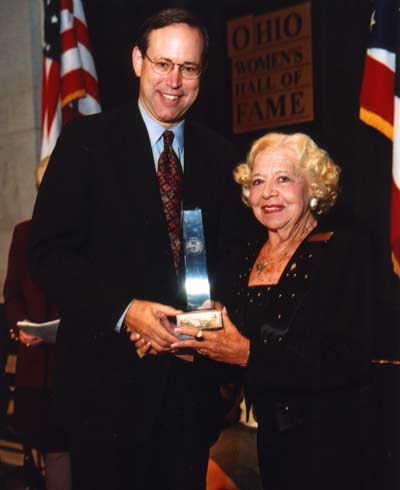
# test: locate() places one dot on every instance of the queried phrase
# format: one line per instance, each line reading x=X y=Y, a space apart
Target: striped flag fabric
x=379 y=99
x=69 y=80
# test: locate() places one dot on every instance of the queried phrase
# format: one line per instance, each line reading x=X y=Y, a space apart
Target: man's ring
x=201 y=352
x=199 y=335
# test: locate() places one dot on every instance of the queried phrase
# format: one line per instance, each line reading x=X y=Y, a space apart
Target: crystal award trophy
x=197 y=285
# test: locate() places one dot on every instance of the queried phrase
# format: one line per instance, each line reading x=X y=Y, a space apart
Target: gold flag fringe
x=377 y=122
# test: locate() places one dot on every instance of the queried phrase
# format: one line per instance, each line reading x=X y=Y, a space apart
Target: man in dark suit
x=101 y=246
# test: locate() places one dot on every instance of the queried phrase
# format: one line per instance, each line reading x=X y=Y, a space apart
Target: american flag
x=379 y=100
x=69 y=82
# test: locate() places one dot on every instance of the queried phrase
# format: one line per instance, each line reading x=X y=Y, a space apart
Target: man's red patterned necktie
x=170 y=178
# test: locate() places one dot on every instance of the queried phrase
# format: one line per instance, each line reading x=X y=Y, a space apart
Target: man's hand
x=149 y=321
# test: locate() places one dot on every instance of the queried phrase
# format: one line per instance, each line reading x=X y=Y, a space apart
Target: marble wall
x=20 y=82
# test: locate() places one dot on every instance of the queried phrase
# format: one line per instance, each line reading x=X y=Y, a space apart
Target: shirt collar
x=155 y=130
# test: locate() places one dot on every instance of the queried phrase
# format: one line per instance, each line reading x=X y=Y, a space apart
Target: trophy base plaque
x=202 y=319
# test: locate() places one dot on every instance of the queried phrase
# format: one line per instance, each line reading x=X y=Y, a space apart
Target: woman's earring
x=313 y=203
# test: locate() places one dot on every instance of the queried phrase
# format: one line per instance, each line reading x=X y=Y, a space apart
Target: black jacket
x=314 y=334
x=99 y=239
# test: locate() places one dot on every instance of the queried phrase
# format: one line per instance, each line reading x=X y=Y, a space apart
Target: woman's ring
x=199 y=335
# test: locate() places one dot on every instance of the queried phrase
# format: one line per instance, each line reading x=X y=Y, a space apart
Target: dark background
x=340 y=37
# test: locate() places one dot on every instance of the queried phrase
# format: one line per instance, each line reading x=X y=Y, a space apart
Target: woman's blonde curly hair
x=323 y=173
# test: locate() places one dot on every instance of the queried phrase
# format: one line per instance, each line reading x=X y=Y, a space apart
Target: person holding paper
x=33 y=416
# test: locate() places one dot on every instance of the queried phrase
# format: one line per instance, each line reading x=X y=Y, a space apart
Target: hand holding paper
x=46 y=331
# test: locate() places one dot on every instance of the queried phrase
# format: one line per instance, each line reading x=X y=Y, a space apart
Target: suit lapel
x=136 y=174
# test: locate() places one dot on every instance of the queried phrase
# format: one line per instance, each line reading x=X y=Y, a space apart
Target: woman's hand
x=227 y=345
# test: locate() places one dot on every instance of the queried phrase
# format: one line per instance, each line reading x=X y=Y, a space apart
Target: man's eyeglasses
x=163 y=66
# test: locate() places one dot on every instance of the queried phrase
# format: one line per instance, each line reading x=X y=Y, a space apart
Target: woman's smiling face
x=279 y=190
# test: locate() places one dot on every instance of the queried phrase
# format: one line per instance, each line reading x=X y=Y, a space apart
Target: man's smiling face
x=167 y=98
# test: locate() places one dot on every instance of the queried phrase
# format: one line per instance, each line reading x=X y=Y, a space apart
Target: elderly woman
x=300 y=303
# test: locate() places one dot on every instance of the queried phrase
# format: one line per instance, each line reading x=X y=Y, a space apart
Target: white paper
x=46 y=331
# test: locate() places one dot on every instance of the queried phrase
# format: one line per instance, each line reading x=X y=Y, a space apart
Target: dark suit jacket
x=312 y=333
x=23 y=299
x=308 y=375
x=99 y=239
x=315 y=332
